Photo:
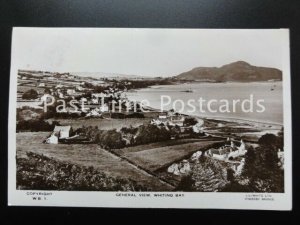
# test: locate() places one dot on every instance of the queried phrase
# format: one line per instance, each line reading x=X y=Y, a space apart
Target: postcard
x=150 y=118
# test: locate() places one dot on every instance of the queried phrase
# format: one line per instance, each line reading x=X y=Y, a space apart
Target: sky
x=145 y=52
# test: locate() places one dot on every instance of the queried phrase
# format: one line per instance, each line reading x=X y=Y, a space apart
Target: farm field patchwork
x=103 y=124
x=156 y=158
x=86 y=155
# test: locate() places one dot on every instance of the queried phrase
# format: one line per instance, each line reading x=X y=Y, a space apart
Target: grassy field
x=103 y=124
x=86 y=155
x=133 y=163
x=160 y=144
x=26 y=88
x=154 y=159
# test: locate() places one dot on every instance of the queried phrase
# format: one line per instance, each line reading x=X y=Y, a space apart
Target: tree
x=151 y=133
x=30 y=94
x=268 y=140
x=262 y=168
x=47 y=91
x=249 y=162
x=280 y=139
x=111 y=139
x=189 y=121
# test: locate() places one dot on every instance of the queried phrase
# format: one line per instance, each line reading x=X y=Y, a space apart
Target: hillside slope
x=237 y=71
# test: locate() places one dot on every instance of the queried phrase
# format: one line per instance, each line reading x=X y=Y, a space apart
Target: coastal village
x=166 y=146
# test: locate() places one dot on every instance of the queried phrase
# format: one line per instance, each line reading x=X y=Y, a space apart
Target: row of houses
x=59 y=132
x=174 y=119
x=228 y=151
x=169 y=120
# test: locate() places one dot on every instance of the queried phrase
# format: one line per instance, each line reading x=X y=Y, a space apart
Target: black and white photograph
x=178 y=118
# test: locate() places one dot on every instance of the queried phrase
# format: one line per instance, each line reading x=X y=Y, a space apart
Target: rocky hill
x=238 y=71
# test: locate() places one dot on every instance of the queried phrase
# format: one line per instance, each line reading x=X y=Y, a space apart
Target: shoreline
x=218 y=118
x=235 y=119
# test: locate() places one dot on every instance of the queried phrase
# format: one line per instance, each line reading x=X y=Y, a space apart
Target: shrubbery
x=207 y=175
x=38 y=172
x=135 y=115
x=262 y=171
x=262 y=165
x=190 y=121
x=110 y=139
x=35 y=125
x=151 y=133
x=30 y=94
x=113 y=139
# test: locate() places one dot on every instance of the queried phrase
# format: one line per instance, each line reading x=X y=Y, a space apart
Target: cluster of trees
x=190 y=121
x=151 y=133
x=128 y=84
x=96 y=88
x=113 y=139
x=30 y=94
x=38 y=172
x=262 y=169
x=117 y=115
x=64 y=115
x=208 y=175
x=136 y=84
x=27 y=112
x=261 y=173
x=36 y=125
x=108 y=139
x=262 y=166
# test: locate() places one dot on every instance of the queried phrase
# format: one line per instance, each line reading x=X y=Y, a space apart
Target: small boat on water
x=273 y=87
x=189 y=90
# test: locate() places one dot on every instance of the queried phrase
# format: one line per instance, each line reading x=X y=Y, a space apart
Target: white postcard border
x=282 y=201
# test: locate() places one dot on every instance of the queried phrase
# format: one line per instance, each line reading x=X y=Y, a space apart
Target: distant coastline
x=159 y=90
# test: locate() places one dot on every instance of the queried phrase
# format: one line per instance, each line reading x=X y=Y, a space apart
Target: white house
x=60 y=95
x=184 y=167
x=228 y=151
x=176 y=120
x=104 y=108
x=63 y=131
x=79 y=88
x=197 y=128
x=168 y=120
x=173 y=169
x=240 y=151
x=159 y=121
x=97 y=97
x=180 y=168
x=220 y=154
x=196 y=155
x=97 y=82
x=52 y=139
x=71 y=91
x=94 y=113
x=59 y=86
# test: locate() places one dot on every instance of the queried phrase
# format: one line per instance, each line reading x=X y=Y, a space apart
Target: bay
x=269 y=92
